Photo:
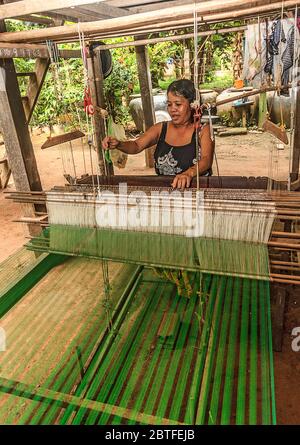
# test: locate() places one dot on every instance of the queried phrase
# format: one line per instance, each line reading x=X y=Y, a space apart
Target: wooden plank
x=104 y=10
x=15 y=9
x=275 y=130
x=143 y=66
x=29 y=51
x=32 y=73
x=146 y=6
x=62 y=138
x=76 y=15
x=4 y=173
x=35 y=86
x=11 y=50
x=64 y=400
x=129 y=22
x=35 y=19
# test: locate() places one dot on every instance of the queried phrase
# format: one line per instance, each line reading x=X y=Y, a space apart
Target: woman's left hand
x=182 y=181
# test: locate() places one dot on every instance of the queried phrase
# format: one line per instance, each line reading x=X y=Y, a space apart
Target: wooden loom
x=286 y=205
x=195 y=360
x=167 y=323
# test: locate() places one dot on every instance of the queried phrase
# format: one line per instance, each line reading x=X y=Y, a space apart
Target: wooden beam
x=16 y=136
x=147 y=6
x=15 y=133
x=63 y=400
x=58 y=16
x=29 y=51
x=170 y=26
x=76 y=15
x=130 y=22
x=35 y=86
x=104 y=10
x=35 y=19
x=15 y=9
x=143 y=66
x=26 y=51
x=171 y=38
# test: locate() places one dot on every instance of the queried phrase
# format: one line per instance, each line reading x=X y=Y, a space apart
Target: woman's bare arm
x=149 y=138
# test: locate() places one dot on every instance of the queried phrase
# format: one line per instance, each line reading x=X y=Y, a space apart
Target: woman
x=175 y=153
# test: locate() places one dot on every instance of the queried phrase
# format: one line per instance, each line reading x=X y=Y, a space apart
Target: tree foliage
x=64 y=94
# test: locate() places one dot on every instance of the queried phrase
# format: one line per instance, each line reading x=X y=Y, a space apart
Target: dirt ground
x=253 y=154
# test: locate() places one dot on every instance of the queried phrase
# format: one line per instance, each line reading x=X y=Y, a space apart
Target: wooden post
x=143 y=65
x=16 y=136
x=263 y=109
x=5 y=173
x=99 y=82
x=98 y=124
x=35 y=86
x=294 y=173
x=187 y=64
x=237 y=56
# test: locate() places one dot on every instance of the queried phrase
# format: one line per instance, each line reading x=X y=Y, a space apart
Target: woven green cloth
x=236 y=258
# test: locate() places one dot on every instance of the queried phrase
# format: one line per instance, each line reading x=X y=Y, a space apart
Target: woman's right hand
x=110 y=143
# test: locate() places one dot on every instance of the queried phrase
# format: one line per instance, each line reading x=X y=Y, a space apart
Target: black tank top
x=172 y=160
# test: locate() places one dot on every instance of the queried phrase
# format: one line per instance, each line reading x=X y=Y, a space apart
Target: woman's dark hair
x=183 y=87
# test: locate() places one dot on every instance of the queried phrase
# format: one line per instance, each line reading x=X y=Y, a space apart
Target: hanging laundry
x=269 y=52
x=288 y=57
x=272 y=46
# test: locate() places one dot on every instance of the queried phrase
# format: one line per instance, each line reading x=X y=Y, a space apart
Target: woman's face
x=179 y=109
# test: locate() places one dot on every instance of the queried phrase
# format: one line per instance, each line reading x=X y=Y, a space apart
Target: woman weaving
x=175 y=153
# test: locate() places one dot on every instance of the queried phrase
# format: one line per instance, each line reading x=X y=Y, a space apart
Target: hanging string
x=88 y=110
x=57 y=92
x=260 y=51
x=76 y=109
x=294 y=93
x=107 y=296
x=197 y=101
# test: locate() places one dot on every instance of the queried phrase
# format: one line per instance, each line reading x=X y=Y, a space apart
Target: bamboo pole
x=170 y=38
x=286 y=235
x=291 y=268
x=288 y=277
x=285 y=263
x=247 y=94
x=285 y=281
x=229 y=9
x=284 y=245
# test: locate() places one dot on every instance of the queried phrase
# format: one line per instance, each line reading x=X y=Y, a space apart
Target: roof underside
x=105 y=9
x=115 y=18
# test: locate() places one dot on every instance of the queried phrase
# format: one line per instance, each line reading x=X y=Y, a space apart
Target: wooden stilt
x=16 y=136
x=143 y=66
